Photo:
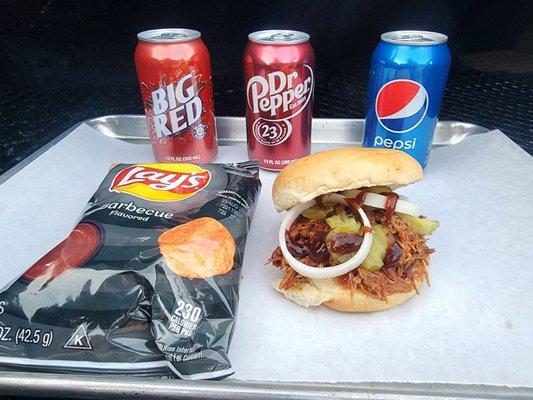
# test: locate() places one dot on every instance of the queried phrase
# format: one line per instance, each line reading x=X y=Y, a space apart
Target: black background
x=91 y=43
x=64 y=61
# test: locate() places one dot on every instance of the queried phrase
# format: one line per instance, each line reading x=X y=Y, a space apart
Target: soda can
x=174 y=73
x=279 y=82
x=407 y=79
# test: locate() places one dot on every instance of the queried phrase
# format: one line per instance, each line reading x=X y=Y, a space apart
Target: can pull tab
x=282 y=36
x=171 y=35
x=413 y=38
x=410 y=38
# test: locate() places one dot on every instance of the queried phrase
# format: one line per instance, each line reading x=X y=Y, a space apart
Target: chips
x=147 y=281
x=200 y=249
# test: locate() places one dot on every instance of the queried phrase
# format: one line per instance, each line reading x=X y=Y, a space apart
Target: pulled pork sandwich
x=348 y=241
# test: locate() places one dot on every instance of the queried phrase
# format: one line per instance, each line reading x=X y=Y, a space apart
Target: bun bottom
x=314 y=292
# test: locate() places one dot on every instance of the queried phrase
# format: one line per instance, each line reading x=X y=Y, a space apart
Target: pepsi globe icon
x=406 y=86
x=401 y=105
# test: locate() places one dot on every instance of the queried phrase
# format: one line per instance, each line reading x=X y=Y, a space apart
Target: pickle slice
x=341 y=223
x=317 y=212
x=422 y=226
x=374 y=260
x=334 y=221
x=348 y=226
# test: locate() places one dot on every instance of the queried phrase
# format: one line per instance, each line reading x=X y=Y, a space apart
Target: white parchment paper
x=474 y=325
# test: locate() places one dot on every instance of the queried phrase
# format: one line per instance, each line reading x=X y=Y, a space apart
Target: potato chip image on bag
x=202 y=248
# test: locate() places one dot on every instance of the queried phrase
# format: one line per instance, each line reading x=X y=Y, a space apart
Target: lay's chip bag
x=148 y=280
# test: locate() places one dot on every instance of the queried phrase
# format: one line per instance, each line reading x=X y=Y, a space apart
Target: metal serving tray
x=231 y=131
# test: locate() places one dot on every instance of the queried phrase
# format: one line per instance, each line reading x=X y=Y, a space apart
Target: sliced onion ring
x=378 y=201
x=324 y=272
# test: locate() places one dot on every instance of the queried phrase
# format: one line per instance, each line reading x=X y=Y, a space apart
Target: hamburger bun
x=201 y=248
x=314 y=292
x=342 y=169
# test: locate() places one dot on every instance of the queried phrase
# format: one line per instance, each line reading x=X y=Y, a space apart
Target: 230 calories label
x=24 y=335
x=184 y=320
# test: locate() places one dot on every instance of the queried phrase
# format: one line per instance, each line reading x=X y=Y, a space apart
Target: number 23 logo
x=268 y=132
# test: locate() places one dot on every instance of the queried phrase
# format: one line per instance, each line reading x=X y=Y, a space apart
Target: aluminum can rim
x=278 y=37
x=414 y=38
x=168 y=35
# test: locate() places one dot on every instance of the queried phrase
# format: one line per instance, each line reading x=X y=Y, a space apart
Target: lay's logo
x=161 y=182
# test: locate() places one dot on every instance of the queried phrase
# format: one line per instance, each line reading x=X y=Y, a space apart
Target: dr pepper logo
x=161 y=182
x=276 y=98
x=280 y=95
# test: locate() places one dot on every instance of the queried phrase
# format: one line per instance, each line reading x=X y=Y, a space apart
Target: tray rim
x=320 y=122
x=128 y=387
x=112 y=386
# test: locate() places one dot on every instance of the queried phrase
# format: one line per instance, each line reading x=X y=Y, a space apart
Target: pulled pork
x=405 y=262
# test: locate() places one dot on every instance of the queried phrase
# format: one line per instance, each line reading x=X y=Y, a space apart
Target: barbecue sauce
x=320 y=201
x=318 y=252
x=367 y=229
x=343 y=243
x=356 y=202
x=392 y=257
x=390 y=204
x=316 y=249
x=296 y=249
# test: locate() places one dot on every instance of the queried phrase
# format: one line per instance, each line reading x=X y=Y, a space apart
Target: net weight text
x=28 y=335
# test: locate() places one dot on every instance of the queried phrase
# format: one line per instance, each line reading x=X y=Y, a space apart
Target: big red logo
x=176 y=106
x=161 y=182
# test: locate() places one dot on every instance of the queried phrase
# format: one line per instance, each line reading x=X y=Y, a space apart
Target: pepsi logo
x=401 y=105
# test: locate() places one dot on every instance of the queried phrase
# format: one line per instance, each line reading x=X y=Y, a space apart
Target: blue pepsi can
x=406 y=86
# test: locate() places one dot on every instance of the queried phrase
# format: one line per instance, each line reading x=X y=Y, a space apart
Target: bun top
x=342 y=169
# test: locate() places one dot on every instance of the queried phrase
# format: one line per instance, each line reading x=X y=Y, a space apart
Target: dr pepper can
x=174 y=73
x=279 y=84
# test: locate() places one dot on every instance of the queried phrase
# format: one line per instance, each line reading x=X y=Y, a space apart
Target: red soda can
x=174 y=73
x=279 y=83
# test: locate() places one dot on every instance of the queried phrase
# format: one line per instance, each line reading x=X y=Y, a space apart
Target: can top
x=168 y=35
x=414 y=38
x=278 y=37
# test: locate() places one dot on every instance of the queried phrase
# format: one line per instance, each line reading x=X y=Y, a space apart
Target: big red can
x=174 y=73
x=279 y=83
